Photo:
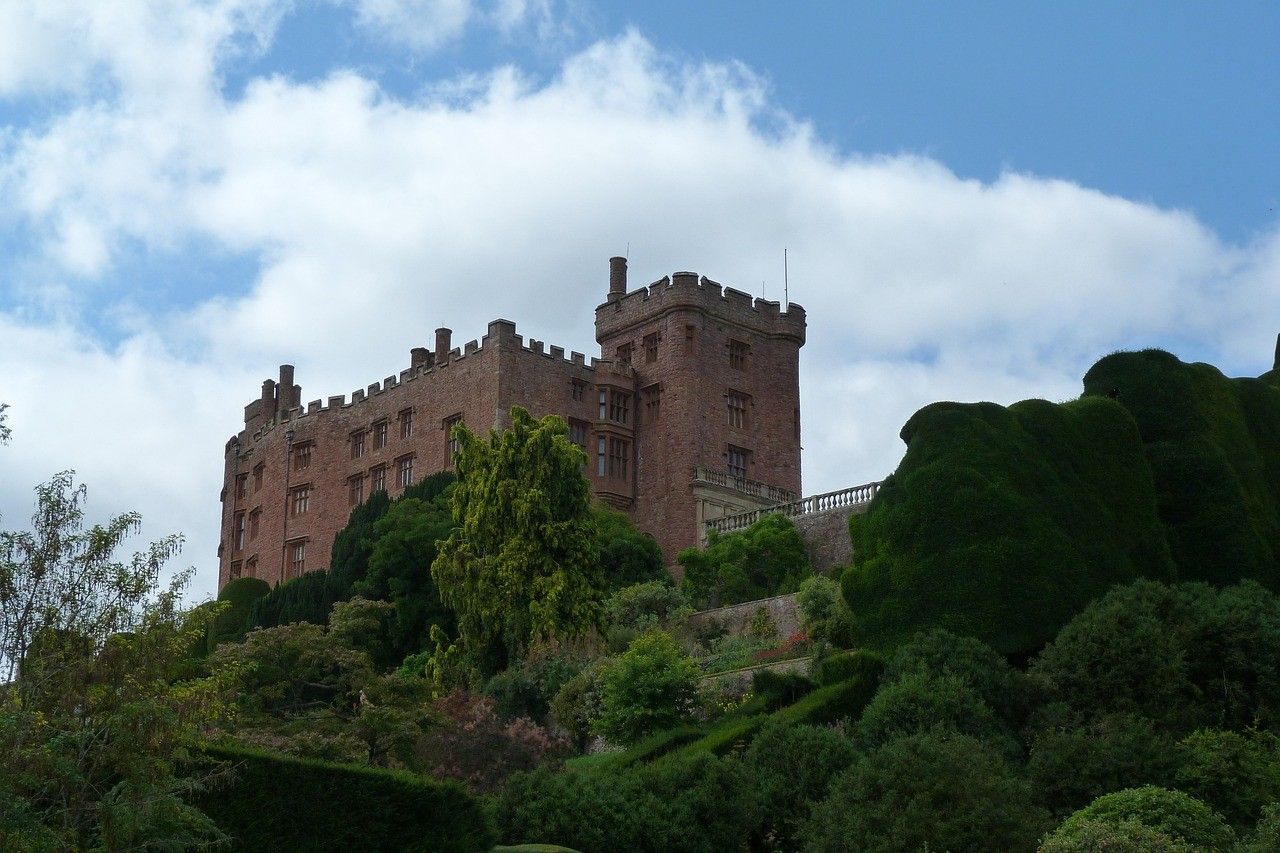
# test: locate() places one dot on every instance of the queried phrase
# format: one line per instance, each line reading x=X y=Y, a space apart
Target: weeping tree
x=521 y=563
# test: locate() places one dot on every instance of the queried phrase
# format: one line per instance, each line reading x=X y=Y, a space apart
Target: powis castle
x=691 y=413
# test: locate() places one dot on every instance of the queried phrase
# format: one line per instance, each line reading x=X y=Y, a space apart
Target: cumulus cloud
x=376 y=218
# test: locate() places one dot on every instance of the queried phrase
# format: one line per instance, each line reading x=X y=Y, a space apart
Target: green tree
x=627 y=556
x=937 y=790
x=1236 y=774
x=942 y=653
x=521 y=563
x=766 y=559
x=653 y=686
x=1179 y=817
x=918 y=703
x=827 y=617
x=91 y=721
x=793 y=766
x=230 y=625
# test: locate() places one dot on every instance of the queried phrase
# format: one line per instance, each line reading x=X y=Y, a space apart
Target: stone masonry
x=691 y=413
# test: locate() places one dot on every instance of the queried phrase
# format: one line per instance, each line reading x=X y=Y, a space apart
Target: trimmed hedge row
x=646 y=750
x=278 y=802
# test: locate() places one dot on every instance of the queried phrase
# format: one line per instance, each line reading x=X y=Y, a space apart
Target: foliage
x=475 y=746
x=844 y=666
x=937 y=789
x=230 y=624
x=918 y=703
x=529 y=689
x=1184 y=655
x=642 y=606
x=399 y=568
x=1126 y=836
x=1071 y=762
x=1171 y=813
x=793 y=766
x=522 y=564
x=1235 y=774
x=693 y=803
x=1001 y=523
x=780 y=688
x=1266 y=835
x=652 y=686
x=627 y=556
x=826 y=615
x=580 y=702
x=941 y=653
x=91 y=721
x=278 y=802
x=733 y=651
x=766 y=559
x=1213 y=445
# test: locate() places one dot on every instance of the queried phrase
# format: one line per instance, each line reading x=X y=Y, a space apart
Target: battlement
x=265 y=413
x=687 y=290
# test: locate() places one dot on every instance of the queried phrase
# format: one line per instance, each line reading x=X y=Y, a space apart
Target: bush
x=651 y=687
x=842 y=701
x=578 y=704
x=920 y=703
x=1127 y=836
x=766 y=559
x=826 y=615
x=642 y=606
x=780 y=688
x=276 y=802
x=793 y=766
x=1234 y=774
x=936 y=790
x=1171 y=813
x=627 y=556
x=844 y=666
x=941 y=653
x=232 y=623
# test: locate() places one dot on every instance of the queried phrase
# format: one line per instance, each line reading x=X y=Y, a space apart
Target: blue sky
x=978 y=200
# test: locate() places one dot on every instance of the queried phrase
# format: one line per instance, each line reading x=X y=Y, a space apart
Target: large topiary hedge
x=1003 y=522
x=231 y=624
x=278 y=802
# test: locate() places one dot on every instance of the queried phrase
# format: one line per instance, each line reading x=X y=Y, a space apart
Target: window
x=302 y=456
x=404 y=471
x=619 y=451
x=357 y=444
x=406 y=423
x=255 y=524
x=378 y=479
x=298 y=558
x=449 y=423
x=601 y=457
x=301 y=497
x=235 y=569
x=651 y=348
x=355 y=490
x=239 y=531
x=624 y=353
x=252 y=567
x=578 y=432
x=242 y=485
x=379 y=435
x=737 y=409
x=604 y=404
x=257 y=476
x=619 y=406
x=688 y=339
x=652 y=402
x=577 y=388
x=737 y=355
x=738 y=459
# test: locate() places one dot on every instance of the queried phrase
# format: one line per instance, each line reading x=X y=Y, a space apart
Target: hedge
x=652 y=747
x=846 y=699
x=843 y=666
x=231 y=624
x=278 y=802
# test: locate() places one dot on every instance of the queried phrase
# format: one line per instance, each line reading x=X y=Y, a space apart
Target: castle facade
x=691 y=413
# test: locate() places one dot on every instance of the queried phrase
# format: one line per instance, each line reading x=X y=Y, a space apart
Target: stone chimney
x=444 y=338
x=617 y=278
x=419 y=357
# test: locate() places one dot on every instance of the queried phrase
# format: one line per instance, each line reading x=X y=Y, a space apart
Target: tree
x=1173 y=814
x=1236 y=774
x=522 y=563
x=937 y=790
x=768 y=558
x=91 y=721
x=653 y=686
x=793 y=767
x=627 y=556
x=942 y=653
x=919 y=703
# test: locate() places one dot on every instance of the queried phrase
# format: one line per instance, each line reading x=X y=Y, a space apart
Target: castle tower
x=714 y=416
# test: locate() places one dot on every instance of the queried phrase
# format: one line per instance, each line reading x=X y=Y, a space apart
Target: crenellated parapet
x=689 y=291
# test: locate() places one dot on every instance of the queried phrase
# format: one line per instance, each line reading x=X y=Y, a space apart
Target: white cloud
x=377 y=219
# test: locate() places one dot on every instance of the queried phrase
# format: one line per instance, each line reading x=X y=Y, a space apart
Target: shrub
x=1235 y=774
x=841 y=701
x=780 y=688
x=942 y=653
x=578 y=704
x=936 y=790
x=732 y=735
x=766 y=559
x=643 y=606
x=231 y=624
x=1171 y=813
x=276 y=802
x=1266 y=835
x=919 y=703
x=826 y=615
x=844 y=666
x=793 y=766
x=1126 y=836
x=651 y=687
x=627 y=556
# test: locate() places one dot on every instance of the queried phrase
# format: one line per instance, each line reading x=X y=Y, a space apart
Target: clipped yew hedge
x=279 y=802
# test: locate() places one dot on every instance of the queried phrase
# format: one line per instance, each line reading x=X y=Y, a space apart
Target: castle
x=691 y=413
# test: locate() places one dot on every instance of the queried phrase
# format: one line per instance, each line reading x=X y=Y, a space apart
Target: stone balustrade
x=854 y=496
x=742 y=484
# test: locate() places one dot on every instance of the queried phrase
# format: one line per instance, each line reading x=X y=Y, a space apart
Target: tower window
x=240 y=531
x=301 y=499
x=404 y=471
x=651 y=348
x=578 y=432
x=378 y=479
x=601 y=456
x=619 y=450
x=738 y=354
x=624 y=353
x=577 y=388
x=688 y=339
x=737 y=402
x=298 y=558
x=242 y=485
x=604 y=404
x=738 y=459
x=652 y=402
x=380 y=435
x=454 y=444
x=355 y=490
x=302 y=456
x=255 y=524
x=257 y=476
x=406 y=423
x=619 y=407
x=357 y=444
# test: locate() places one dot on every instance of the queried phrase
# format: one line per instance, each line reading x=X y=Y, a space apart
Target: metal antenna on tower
x=786 y=281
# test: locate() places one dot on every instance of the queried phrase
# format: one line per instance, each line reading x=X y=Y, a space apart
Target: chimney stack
x=617 y=278
x=419 y=357
x=284 y=390
x=444 y=338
